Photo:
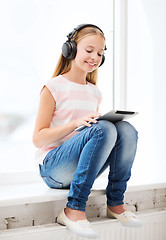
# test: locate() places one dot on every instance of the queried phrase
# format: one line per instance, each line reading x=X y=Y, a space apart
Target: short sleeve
x=50 y=84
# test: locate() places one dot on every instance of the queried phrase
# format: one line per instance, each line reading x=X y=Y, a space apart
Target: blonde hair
x=64 y=65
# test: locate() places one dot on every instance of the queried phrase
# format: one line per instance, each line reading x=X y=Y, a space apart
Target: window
x=142 y=85
x=132 y=77
x=32 y=34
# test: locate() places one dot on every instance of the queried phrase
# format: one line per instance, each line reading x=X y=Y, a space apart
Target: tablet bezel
x=113 y=116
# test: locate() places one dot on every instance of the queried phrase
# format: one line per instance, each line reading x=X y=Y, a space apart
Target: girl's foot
x=75 y=215
x=126 y=218
x=117 y=209
x=78 y=226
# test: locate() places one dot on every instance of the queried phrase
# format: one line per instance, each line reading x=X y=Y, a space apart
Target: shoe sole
x=60 y=222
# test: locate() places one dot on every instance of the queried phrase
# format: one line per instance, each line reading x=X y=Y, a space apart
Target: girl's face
x=89 y=53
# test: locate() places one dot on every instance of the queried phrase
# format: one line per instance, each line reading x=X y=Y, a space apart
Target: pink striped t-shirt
x=73 y=101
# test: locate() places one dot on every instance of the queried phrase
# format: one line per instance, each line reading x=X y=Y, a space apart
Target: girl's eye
x=99 y=54
x=89 y=51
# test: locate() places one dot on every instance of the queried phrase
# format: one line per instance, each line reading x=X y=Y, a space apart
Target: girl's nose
x=93 y=56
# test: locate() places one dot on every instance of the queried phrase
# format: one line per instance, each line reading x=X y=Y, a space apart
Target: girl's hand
x=87 y=120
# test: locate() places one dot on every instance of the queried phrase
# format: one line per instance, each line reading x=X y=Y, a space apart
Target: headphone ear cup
x=66 y=49
x=102 y=61
x=69 y=49
x=73 y=50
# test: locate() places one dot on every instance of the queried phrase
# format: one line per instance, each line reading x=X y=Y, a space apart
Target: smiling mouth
x=91 y=64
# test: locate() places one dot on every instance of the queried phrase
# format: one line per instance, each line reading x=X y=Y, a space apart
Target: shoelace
x=84 y=223
x=129 y=214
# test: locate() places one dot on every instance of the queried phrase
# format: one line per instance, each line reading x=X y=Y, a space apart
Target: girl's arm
x=43 y=134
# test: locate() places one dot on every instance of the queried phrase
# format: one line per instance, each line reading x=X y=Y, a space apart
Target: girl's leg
x=102 y=139
x=82 y=156
x=120 y=162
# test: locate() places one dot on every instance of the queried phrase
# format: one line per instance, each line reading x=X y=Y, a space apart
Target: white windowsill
x=37 y=191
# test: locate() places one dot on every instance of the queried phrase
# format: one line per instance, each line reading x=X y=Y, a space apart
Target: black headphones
x=69 y=48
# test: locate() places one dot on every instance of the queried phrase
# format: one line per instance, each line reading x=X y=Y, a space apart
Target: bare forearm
x=49 y=135
x=45 y=135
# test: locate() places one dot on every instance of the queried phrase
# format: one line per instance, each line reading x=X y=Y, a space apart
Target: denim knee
x=126 y=131
x=108 y=129
x=127 y=137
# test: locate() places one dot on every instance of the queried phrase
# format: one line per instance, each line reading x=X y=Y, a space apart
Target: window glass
x=146 y=86
x=32 y=33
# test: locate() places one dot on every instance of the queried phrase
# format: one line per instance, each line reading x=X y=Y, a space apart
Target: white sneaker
x=81 y=227
x=127 y=218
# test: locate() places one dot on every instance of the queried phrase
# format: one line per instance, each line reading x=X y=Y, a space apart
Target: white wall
x=146 y=86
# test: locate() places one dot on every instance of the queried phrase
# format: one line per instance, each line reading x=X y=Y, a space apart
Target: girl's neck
x=76 y=76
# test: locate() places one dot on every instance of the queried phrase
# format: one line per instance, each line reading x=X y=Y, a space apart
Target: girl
x=70 y=159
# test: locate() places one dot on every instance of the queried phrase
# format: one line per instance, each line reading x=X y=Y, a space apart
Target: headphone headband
x=80 y=27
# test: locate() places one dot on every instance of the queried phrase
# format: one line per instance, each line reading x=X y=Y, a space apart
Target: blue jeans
x=80 y=160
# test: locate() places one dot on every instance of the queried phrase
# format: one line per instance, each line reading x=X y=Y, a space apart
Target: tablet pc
x=113 y=116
